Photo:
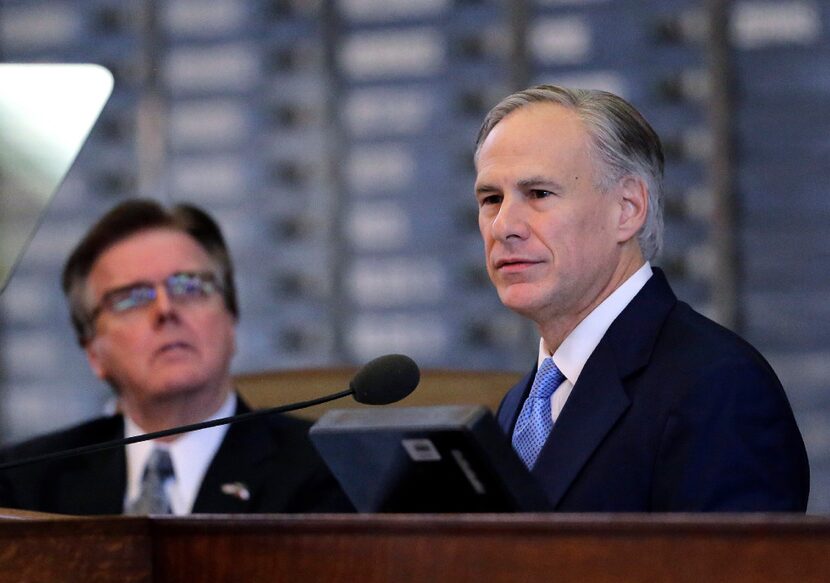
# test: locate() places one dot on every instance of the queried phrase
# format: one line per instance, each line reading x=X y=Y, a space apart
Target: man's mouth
x=172 y=347
x=515 y=263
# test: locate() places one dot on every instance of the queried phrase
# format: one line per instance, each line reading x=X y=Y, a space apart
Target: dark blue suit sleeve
x=732 y=444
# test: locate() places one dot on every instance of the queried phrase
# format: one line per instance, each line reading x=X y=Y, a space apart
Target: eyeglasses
x=183 y=287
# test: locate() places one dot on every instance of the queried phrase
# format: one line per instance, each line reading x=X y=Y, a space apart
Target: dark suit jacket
x=672 y=412
x=270 y=455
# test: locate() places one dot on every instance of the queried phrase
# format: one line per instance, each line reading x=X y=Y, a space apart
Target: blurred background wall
x=333 y=139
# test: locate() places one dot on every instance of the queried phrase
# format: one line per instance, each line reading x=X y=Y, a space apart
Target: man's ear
x=93 y=356
x=633 y=199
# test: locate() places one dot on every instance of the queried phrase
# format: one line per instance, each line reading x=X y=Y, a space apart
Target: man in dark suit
x=152 y=298
x=637 y=402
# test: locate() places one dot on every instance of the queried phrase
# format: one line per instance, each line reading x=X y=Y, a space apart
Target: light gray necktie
x=153 y=498
x=535 y=423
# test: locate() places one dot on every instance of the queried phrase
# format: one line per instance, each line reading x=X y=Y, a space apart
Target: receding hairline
x=590 y=140
x=524 y=107
x=172 y=229
x=588 y=145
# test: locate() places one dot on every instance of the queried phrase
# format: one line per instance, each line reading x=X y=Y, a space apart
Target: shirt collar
x=578 y=346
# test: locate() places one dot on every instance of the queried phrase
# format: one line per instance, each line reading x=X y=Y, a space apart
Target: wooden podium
x=415 y=548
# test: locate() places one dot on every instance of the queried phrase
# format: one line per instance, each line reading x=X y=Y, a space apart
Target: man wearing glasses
x=152 y=299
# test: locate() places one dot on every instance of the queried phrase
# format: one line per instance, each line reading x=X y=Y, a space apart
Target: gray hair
x=622 y=140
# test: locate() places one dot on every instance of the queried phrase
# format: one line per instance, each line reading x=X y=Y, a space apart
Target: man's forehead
x=149 y=255
x=538 y=125
x=537 y=146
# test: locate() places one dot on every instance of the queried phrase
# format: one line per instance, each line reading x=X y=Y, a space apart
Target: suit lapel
x=95 y=483
x=596 y=402
x=511 y=405
x=599 y=397
x=233 y=479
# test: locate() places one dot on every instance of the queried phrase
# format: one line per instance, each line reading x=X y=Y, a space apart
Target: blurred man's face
x=552 y=238
x=168 y=347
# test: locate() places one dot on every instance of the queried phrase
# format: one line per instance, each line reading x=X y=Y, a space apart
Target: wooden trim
x=418 y=548
x=437 y=387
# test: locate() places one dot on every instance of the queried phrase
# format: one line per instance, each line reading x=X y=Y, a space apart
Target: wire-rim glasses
x=181 y=287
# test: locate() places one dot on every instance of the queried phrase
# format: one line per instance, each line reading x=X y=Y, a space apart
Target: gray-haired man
x=639 y=403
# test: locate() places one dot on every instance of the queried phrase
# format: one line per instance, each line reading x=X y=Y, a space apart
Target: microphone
x=384 y=380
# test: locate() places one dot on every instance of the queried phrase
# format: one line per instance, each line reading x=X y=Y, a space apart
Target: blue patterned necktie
x=153 y=498
x=535 y=423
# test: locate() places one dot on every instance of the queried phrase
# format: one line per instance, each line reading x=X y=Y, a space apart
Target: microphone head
x=386 y=379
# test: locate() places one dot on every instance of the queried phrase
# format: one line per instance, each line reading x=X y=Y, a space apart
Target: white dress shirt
x=191 y=454
x=578 y=346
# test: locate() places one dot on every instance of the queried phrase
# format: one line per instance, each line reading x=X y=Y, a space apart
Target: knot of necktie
x=548 y=378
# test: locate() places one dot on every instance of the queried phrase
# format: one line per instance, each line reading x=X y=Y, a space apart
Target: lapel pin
x=237 y=490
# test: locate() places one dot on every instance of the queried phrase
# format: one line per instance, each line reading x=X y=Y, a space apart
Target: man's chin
x=519 y=296
x=523 y=304
x=178 y=384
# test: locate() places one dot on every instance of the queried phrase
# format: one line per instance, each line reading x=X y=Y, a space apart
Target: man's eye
x=538 y=193
x=491 y=199
x=187 y=286
x=131 y=298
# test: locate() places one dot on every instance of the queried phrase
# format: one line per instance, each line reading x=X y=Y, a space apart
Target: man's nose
x=511 y=219
x=163 y=305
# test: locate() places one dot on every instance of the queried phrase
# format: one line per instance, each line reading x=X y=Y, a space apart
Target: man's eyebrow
x=533 y=181
x=127 y=286
x=525 y=183
x=485 y=189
